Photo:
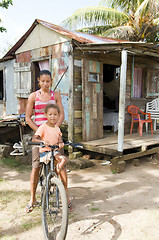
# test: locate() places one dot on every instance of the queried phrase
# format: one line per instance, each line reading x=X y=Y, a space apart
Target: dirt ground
x=106 y=206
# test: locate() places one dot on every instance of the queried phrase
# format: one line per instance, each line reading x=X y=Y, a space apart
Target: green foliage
x=5 y=4
x=132 y=20
x=114 y=172
x=93 y=208
x=7 y=238
x=1 y=179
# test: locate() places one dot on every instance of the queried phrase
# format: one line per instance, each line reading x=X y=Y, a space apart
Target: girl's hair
x=45 y=72
x=51 y=106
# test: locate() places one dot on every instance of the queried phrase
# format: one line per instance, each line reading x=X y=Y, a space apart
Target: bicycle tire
x=42 y=179
x=55 y=222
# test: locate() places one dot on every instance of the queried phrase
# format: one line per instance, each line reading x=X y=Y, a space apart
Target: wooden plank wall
x=77 y=100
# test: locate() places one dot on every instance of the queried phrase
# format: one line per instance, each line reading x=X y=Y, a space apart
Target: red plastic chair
x=136 y=114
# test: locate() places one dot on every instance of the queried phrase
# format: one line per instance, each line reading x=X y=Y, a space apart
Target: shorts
x=36 y=156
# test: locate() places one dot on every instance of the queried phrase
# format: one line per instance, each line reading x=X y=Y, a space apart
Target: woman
x=37 y=102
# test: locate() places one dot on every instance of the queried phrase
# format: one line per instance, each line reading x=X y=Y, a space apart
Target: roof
x=88 y=41
x=78 y=36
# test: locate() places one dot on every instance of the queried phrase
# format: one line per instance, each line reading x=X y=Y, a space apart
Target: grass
x=1 y=179
x=33 y=220
x=114 y=172
x=93 y=208
x=27 y=226
x=14 y=201
x=71 y=215
x=12 y=162
x=7 y=238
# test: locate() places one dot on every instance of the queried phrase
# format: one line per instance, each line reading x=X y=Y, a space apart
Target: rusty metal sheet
x=23 y=57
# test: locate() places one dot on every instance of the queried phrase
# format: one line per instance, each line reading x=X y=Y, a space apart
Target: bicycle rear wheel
x=55 y=220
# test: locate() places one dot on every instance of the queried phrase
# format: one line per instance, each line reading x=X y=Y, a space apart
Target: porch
x=134 y=146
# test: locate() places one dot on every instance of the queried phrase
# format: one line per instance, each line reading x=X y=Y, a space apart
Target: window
x=1 y=86
x=93 y=77
x=94 y=71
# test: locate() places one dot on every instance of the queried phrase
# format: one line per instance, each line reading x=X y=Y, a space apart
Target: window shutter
x=153 y=83
x=22 y=79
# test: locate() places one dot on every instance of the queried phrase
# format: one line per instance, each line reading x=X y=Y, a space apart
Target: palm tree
x=133 y=20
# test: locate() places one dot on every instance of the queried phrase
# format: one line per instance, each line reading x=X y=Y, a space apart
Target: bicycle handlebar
x=41 y=144
x=75 y=145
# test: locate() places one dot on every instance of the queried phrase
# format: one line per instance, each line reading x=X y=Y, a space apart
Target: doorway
x=111 y=81
x=37 y=67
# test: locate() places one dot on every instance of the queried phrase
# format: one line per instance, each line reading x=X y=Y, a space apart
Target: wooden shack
x=96 y=77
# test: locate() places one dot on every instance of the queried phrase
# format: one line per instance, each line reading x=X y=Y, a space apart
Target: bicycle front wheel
x=55 y=219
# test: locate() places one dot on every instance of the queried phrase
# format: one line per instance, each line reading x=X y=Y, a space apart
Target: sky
x=18 y=18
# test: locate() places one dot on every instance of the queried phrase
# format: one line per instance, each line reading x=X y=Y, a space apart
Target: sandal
x=70 y=206
x=29 y=208
x=36 y=204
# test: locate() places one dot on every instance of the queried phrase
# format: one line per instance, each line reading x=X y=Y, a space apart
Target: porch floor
x=132 y=144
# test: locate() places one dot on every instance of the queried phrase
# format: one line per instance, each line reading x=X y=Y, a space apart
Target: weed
x=12 y=162
x=93 y=209
x=34 y=221
x=27 y=226
x=7 y=238
x=71 y=215
x=114 y=171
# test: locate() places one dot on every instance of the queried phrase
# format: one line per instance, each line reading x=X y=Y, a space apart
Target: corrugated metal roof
x=85 y=39
x=78 y=36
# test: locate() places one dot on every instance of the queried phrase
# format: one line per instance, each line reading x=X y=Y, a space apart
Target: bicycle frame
x=48 y=174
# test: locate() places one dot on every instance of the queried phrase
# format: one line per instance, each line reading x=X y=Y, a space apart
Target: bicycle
x=53 y=197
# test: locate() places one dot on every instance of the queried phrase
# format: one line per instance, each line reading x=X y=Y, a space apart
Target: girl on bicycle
x=37 y=102
x=50 y=134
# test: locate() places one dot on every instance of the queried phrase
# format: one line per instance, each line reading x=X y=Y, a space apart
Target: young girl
x=50 y=134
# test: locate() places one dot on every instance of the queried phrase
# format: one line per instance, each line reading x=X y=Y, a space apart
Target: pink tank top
x=39 y=108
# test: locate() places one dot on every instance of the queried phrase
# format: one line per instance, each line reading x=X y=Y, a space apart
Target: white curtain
x=44 y=65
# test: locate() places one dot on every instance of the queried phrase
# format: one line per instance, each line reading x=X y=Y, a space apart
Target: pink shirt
x=39 y=108
x=48 y=134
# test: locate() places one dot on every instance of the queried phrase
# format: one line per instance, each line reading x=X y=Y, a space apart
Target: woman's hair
x=51 y=106
x=45 y=72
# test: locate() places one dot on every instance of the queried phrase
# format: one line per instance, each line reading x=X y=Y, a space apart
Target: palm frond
x=97 y=30
x=125 y=5
x=144 y=6
x=106 y=3
x=124 y=32
x=94 y=16
x=147 y=6
x=156 y=21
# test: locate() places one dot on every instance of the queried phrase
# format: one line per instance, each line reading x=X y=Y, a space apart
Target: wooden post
x=70 y=100
x=122 y=100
